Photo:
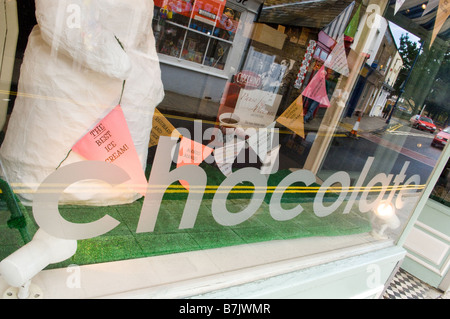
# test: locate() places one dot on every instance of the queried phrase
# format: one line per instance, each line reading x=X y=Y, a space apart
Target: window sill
x=192 y=66
x=194 y=273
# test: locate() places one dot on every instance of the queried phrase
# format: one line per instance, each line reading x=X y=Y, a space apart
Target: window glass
x=217 y=53
x=222 y=123
x=172 y=40
x=441 y=191
x=178 y=12
x=202 y=32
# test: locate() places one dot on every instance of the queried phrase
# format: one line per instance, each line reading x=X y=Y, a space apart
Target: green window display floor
x=124 y=243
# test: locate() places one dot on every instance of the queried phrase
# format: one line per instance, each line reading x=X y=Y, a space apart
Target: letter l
x=358 y=184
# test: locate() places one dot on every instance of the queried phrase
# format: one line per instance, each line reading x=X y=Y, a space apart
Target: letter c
x=219 y=207
x=276 y=210
x=45 y=202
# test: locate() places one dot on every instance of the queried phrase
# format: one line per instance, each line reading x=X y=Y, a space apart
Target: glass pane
x=298 y=135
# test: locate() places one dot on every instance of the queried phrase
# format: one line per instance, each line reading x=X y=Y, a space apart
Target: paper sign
x=256 y=108
x=316 y=89
x=191 y=153
x=441 y=16
x=337 y=60
x=161 y=127
x=110 y=141
x=261 y=142
x=226 y=155
x=292 y=118
x=270 y=160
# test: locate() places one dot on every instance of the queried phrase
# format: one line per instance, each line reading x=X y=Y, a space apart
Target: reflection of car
x=423 y=123
x=441 y=138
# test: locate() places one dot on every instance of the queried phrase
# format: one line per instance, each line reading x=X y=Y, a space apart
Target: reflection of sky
x=398 y=31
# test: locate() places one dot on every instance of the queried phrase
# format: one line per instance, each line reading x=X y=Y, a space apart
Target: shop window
x=196 y=31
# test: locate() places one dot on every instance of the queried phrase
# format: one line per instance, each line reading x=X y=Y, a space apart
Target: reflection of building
x=201 y=42
x=209 y=43
x=381 y=98
x=379 y=73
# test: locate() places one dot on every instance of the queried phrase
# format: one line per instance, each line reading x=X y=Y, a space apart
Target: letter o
x=219 y=208
x=276 y=211
x=321 y=210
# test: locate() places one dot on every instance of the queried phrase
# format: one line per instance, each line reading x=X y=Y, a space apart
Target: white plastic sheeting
x=71 y=77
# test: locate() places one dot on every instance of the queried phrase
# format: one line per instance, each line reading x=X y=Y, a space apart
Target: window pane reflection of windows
x=194 y=47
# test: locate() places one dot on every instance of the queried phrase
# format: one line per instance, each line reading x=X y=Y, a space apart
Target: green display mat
x=124 y=243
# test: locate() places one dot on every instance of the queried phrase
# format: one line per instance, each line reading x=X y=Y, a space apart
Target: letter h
x=161 y=177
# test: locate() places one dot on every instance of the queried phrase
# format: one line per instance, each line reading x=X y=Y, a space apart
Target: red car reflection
x=441 y=138
x=423 y=123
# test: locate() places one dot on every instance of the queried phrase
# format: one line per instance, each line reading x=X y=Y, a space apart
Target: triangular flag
x=110 y=141
x=352 y=27
x=161 y=127
x=398 y=5
x=430 y=6
x=292 y=117
x=441 y=15
x=336 y=27
x=226 y=155
x=270 y=161
x=191 y=153
x=316 y=89
x=337 y=59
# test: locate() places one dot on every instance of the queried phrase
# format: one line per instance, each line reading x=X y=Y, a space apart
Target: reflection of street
x=391 y=145
x=416 y=141
x=396 y=142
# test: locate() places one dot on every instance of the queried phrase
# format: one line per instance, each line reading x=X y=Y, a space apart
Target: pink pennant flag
x=191 y=153
x=110 y=141
x=316 y=89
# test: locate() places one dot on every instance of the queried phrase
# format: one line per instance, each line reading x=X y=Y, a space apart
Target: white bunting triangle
x=337 y=60
x=226 y=155
x=260 y=142
x=398 y=5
